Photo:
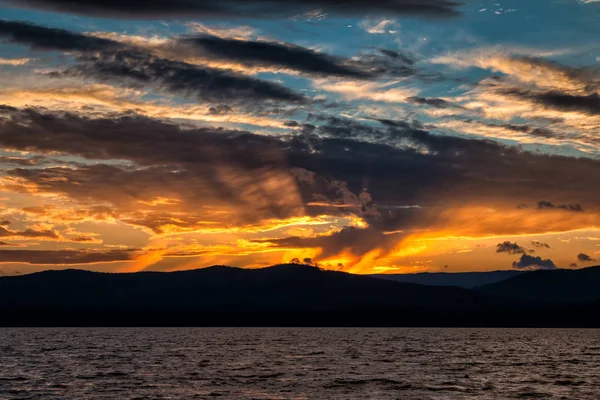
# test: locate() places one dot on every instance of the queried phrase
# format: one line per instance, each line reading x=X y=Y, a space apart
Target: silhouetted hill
x=466 y=280
x=282 y=287
x=289 y=295
x=550 y=286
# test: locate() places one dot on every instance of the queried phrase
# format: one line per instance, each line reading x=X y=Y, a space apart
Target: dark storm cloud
x=540 y=245
x=109 y=61
x=416 y=168
x=510 y=248
x=199 y=167
x=64 y=257
x=544 y=205
x=165 y=9
x=528 y=261
x=263 y=53
x=143 y=140
x=585 y=258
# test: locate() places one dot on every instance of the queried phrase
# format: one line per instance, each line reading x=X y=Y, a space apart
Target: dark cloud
x=542 y=132
x=387 y=64
x=5 y=108
x=406 y=59
x=109 y=61
x=540 y=245
x=357 y=241
x=585 y=258
x=165 y=9
x=143 y=140
x=220 y=110
x=588 y=104
x=398 y=163
x=510 y=248
x=531 y=130
x=573 y=265
x=530 y=262
x=64 y=257
x=544 y=205
x=137 y=69
x=272 y=54
x=42 y=38
x=433 y=102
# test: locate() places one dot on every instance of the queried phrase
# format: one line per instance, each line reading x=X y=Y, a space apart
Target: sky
x=396 y=136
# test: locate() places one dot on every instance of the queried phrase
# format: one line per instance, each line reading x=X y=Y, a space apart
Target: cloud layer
x=236 y=8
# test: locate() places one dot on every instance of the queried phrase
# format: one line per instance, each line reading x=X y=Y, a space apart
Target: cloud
x=394 y=175
x=64 y=257
x=585 y=258
x=540 y=245
x=380 y=26
x=510 y=248
x=272 y=54
x=107 y=60
x=23 y=161
x=588 y=104
x=229 y=197
x=136 y=69
x=527 y=71
x=355 y=241
x=543 y=205
x=28 y=233
x=374 y=91
x=14 y=61
x=42 y=38
x=437 y=103
x=250 y=56
x=530 y=262
x=559 y=102
x=160 y=9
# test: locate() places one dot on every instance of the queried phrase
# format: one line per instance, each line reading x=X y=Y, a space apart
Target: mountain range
x=297 y=295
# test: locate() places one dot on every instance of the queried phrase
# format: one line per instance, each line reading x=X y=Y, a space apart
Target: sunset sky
x=393 y=136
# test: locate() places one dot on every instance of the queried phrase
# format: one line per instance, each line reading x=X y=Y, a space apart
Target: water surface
x=288 y=363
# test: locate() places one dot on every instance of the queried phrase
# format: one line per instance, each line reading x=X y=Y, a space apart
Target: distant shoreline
x=534 y=318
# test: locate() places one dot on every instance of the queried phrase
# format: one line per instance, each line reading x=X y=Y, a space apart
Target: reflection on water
x=287 y=363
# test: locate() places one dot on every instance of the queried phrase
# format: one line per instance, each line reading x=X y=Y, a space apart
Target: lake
x=290 y=363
